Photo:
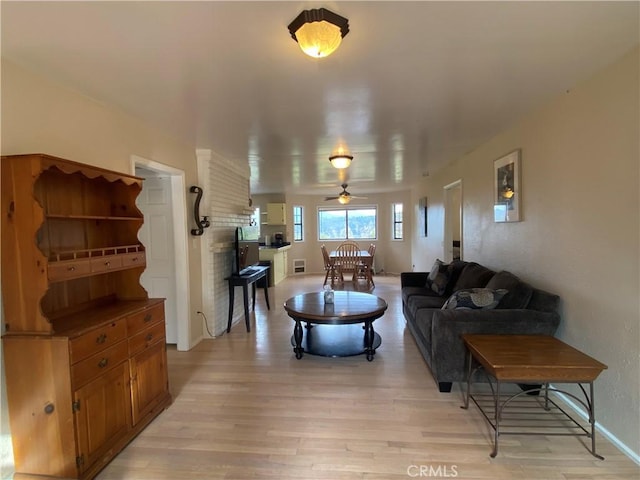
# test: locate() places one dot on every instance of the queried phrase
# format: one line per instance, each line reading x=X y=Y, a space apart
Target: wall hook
x=201 y=224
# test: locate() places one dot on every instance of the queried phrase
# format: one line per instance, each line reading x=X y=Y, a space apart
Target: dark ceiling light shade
x=319 y=32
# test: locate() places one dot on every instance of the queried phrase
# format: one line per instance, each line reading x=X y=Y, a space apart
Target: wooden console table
x=256 y=273
x=531 y=359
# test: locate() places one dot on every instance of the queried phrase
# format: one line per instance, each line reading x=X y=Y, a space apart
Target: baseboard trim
x=635 y=457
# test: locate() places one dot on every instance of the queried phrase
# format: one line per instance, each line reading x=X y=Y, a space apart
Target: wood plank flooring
x=245 y=408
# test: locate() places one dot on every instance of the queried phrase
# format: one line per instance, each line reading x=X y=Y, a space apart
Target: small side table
x=258 y=272
x=531 y=359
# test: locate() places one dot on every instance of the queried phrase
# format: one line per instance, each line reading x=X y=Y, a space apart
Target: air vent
x=299 y=266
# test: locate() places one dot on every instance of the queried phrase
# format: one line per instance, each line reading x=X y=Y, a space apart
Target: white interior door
x=156 y=234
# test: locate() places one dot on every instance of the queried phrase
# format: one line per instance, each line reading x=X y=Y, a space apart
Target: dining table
x=365 y=257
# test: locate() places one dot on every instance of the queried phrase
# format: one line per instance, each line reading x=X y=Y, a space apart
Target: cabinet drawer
x=96 y=365
x=97 y=340
x=133 y=259
x=141 y=320
x=65 y=270
x=106 y=263
x=146 y=338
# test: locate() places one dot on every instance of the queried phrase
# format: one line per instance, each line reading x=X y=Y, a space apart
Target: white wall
x=391 y=255
x=42 y=117
x=579 y=234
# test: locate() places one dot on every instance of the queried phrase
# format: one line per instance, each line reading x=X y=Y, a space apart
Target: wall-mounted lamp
x=201 y=223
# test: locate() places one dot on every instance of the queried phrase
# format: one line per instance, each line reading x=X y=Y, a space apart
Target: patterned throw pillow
x=475 y=298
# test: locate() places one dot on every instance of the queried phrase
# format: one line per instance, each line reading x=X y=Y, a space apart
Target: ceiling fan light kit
x=343 y=197
x=319 y=32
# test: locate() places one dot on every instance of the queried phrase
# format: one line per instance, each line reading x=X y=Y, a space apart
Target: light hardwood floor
x=245 y=408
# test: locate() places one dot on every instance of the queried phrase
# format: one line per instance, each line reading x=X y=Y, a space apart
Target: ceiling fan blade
x=355 y=196
x=330 y=198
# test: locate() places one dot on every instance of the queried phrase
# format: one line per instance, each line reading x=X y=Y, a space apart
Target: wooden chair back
x=348 y=254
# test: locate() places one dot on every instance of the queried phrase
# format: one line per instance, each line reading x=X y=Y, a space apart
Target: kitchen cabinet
x=84 y=347
x=276 y=213
x=279 y=262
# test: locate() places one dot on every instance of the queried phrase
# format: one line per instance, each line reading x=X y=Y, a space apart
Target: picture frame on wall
x=507 y=188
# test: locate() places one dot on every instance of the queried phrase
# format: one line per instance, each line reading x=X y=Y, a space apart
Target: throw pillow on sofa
x=438 y=277
x=475 y=298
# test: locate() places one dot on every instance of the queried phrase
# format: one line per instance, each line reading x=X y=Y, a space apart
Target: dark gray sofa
x=523 y=310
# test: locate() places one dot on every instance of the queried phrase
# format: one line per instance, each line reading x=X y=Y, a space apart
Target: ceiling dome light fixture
x=319 y=32
x=341 y=160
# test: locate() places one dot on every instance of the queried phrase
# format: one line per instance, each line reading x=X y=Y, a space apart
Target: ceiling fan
x=343 y=197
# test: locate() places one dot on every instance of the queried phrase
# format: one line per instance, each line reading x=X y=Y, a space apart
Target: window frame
x=395 y=222
x=347 y=208
x=301 y=223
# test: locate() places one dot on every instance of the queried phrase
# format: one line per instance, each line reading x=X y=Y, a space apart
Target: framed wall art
x=507 y=188
x=422 y=216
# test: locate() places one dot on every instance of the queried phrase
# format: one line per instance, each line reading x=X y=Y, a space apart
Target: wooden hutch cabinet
x=84 y=345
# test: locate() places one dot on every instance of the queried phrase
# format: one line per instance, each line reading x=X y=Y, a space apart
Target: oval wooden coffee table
x=332 y=329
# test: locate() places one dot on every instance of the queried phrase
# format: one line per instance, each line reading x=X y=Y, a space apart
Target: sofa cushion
x=440 y=281
x=434 y=271
x=544 y=301
x=473 y=275
x=418 y=302
x=519 y=292
x=455 y=269
x=475 y=299
x=408 y=292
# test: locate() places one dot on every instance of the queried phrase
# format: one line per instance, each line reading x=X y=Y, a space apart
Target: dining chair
x=348 y=255
x=329 y=266
x=366 y=266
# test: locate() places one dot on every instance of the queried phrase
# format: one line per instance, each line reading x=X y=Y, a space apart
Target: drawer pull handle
x=107 y=263
x=103 y=363
x=71 y=268
x=101 y=339
x=134 y=259
x=149 y=337
x=148 y=317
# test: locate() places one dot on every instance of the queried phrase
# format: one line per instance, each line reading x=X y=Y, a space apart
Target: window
x=298 y=235
x=397 y=221
x=358 y=223
x=254 y=220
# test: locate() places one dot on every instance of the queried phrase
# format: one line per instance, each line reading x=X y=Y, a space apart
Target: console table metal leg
x=592 y=421
x=497 y=420
x=297 y=335
x=469 y=371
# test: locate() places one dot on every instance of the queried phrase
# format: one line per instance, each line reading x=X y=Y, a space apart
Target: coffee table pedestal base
x=334 y=341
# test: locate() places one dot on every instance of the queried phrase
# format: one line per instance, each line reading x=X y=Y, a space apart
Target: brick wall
x=226 y=186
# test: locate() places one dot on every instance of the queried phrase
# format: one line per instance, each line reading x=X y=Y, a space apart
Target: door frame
x=448 y=230
x=178 y=208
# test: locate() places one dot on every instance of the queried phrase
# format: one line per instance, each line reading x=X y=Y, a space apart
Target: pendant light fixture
x=319 y=32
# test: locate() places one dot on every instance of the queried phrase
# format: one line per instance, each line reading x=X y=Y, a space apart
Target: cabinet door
x=103 y=415
x=149 y=384
x=276 y=214
x=278 y=268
